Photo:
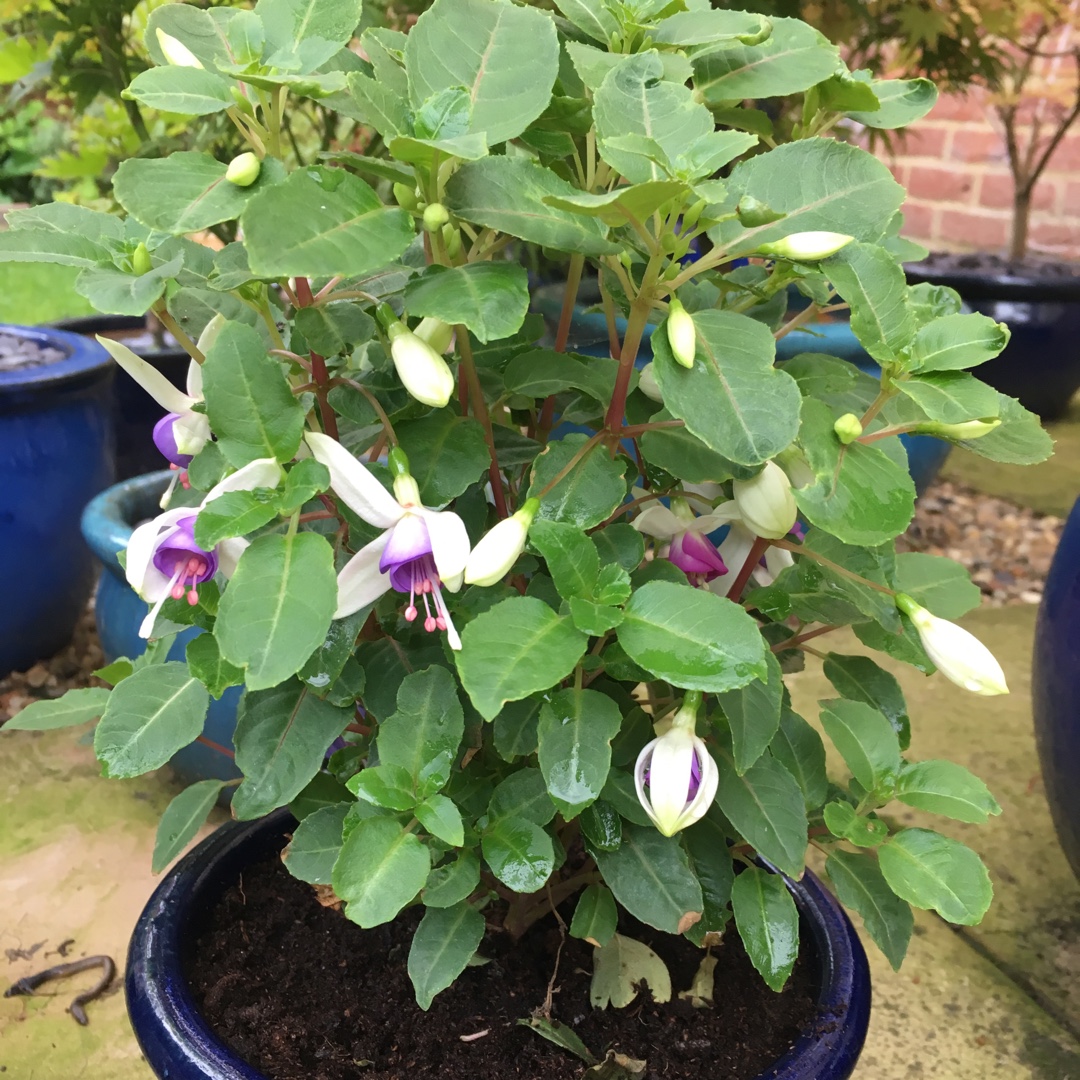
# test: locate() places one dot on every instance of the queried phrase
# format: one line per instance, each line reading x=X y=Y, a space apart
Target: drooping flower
x=685 y=541
x=422 y=371
x=806 y=246
x=961 y=657
x=765 y=502
x=500 y=547
x=681 y=334
x=163 y=558
x=420 y=552
x=675 y=775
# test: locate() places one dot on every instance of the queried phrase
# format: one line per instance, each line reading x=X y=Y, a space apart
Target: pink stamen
x=411 y=613
x=430 y=624
x=192 y=597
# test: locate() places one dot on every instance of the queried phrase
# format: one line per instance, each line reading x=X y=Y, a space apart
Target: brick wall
x=955 y=168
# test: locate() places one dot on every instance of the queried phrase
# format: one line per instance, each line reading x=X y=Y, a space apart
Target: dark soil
x=301 y=993
x=17 y=353
x=1032 y=267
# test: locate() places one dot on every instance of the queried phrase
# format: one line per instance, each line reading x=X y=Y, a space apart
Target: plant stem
x=757 y=549
x=801 y=319
x=480 y=411
x=373 y=401
x=182 y=339
x=802 y=549
x=795 y=642
x=318 y=366
x=573 y=283
x=635 y=330
x=587 y=448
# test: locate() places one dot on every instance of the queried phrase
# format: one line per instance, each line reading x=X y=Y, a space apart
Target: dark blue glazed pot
x=107 y=524
x=1055 y=688
x=56 y=452
x=179 y=1045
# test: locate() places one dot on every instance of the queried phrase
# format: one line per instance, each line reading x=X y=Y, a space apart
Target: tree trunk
x=1018 y=241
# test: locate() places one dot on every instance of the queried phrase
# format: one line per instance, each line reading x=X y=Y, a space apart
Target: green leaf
x=206 y=663
x=290 y=21
x=538 y=373
x=523 y=794
x=594 y=619
x=184 y=192
x=508 y=68
x=426 y=729
x=114 y=292
x=592 y=17
x=451 y=883
x=842 y=821
x=859 y=885
x=148 y=717
x=860 y=679
x=587 y=494
x=46 y=245
x=791 y=59
x=766 y=806
x=683 y=454
x=281 y=740
x=322 y=221
x=951 y=397
x=1019 y=440
x=236 y=513
x=507 y=194
x=183 y=818
x=519 y=853
x=514 y=649
x=873 y=283
x=316 y=842
x=710 y=859
x=278 y=606
x=515 y=729
x=709 y=27
x=619 y=969
x=75 y=707
x=442 y=819
x=733 y=399
x=558 y=1033
x=637 y=202
x=575 y=732
x=491 y=299
x=444 y=942
x=447 y=453
x=595 y=916
x=251 y=408
x=958 y=341
x=798 y=747
x=304 y=481
x=651 y=877
x=935 y=872
x=332 y=328
x=324 y=666
x=386 y=663
x=901 y=102
x=192 y=26
x=692 y=638
x=620 y=543
x=768 y=923
x=185 y=90
x=867 y=741
x=943 y=787
x=571 y=557
x=601 y=826
x=753 y=714
x=380 y=869
x=388 y=786
x=937 y=583
x=863 y=495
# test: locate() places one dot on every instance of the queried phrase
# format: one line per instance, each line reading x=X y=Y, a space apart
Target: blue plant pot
x=179 y=1045
x=1055 y=688
x=56 y=452
x=107 y=524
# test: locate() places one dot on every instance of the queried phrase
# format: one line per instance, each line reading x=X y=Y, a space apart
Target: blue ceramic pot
x=107 y=524
x=179 y=1045
x=56 y=452
x=1055 y=688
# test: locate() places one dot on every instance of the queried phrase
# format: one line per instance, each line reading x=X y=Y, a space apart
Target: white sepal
x=351 y=482
x=766 y=503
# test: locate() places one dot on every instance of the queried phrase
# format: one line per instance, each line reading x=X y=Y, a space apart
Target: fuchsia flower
x=687 y=546
x=421 y=551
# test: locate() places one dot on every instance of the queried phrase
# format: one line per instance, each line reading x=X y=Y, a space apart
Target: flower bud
x=675 y=776
x=435 y=217
x=498 y=550
x=176 y=52
x=140 y=260
x=681 y=335
x=435 y=332
x=422 y=371
x=848 y=428
x=452 y=240
x=806 y=246
x=242 y=103
x=648 y=385
x=405 y=196
x=243 y=170
x=766 y=503
x=961 y=657
x=970 y=429
x=753 y=213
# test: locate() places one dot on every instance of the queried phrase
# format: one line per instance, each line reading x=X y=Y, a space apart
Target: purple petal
x=165 y=441
x=695 y=554
x=176 y=548
x=408 y=541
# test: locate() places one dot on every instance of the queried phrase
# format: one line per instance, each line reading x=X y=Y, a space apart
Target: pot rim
x=96 y=323
x=997 y=285
x=83 y=357
x=178 y=1043
x=110 y=517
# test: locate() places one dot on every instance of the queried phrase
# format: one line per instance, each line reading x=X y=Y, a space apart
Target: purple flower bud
x=165 y=441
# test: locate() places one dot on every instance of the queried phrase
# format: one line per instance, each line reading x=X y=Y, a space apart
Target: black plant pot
x=1041 y=364
x=134 y=411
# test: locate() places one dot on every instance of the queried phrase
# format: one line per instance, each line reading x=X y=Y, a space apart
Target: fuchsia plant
x=541 y=603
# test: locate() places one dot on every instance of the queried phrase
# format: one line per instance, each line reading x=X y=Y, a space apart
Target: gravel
x=17 y=353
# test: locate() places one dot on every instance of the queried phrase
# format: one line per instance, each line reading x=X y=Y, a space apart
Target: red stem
x=756 y=551
x=215 y=746
x=318 y=366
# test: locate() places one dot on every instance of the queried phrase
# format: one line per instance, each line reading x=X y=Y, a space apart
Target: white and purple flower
x=420 y=552
x=685 y=542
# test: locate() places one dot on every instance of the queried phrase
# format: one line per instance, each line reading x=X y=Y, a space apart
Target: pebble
x=20 y=352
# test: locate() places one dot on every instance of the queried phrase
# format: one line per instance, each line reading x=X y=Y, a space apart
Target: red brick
x=973 y=229
x=1070 y=205
x=978 y=144
x=1056 y=233
x=1066 y=158
x=924 y=140
x=938 y=184
x=958 y=107
x=918 y=221
x=901 y=172
x=996 y=192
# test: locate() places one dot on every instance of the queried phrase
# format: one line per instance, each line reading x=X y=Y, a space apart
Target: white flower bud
x=435 y=217
x=806 y=246
x=498 y=550
x=244 y=169
x=848 y=428
x=766 y=503
x=422 y=371
x=176 y=52
x=970 y=429
x=681 y=335
x=648 y=385
x=961 y=657
x=436 y=333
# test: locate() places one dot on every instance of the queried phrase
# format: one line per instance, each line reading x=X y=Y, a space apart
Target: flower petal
x=669 y=778
x=361 y=581
x=191 y=431
x=406 y=541
x=261 y=473
x=657 y=520
x=362 y=493
x=228 y=553
x=449 y=545
x=194 y=380
x=148 y=377
x=139 y=570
